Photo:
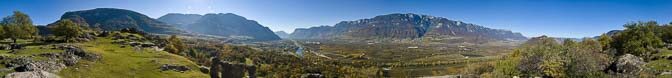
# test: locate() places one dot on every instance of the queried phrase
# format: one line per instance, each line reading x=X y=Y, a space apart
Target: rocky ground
x=46 y=64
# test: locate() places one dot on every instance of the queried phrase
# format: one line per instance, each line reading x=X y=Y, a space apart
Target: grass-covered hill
x=120 y=61
x=116 y=60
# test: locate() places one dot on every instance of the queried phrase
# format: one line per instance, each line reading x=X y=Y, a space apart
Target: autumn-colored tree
x=175 y=45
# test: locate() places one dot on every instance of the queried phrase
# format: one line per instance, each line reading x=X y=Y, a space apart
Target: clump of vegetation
x=175 y=45
x=18 y=26
x=545 y=57
x=642 y=39
x=68 y=29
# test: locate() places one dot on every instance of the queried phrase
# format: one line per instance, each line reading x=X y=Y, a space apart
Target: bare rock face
x=404 y=26
x=628 y=64
x=32 y=74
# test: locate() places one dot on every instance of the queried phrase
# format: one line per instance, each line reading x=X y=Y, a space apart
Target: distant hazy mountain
x=117 y=19
x=228 y=25
x=610 y=33
x=282 y=34
x=404 y=26
x=562 y=39
x=180 y=20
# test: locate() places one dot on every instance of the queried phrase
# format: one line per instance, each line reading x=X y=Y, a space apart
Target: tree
x=19 y=26
x=67 y=29
x=568 y=42
x=667 y=33
x=541 y=56
x=2 y=32
x=171 y=49
x=639 y=39
x=605 y=41
x=175 y=45
x=586 y=60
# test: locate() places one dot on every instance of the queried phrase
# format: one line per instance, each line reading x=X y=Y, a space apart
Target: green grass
x=30 y=49
x=664 y=76
x=117 y=62
x=662 y=64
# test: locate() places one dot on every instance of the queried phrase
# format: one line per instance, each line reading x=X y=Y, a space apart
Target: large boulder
x=71 y=50
x=4 y=47
x=178 y=68
x=16 y=62
x=32 y=74
x=628 y=64
x=50 y=66
x=204 y=69
x=15 y=46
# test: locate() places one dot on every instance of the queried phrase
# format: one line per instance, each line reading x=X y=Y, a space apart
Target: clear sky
x=559 y=18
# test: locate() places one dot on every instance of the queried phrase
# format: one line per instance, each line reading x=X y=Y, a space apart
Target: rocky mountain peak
x=405 y=26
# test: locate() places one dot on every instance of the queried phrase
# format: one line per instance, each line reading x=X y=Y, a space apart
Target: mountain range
x=404 y=26
x=112 y=19
x=221 y=24
x=282 y=34
x=384 y=27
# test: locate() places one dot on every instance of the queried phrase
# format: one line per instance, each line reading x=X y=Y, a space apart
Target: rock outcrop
x=628 y=64
x=32 y=74
x=178 y=68
x=26 y=67
x=50 y=66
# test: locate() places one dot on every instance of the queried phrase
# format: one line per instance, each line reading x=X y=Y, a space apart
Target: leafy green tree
x=666 y=33
x=19 y=26
x=569 y=43
x=639 y=39
x=2 y=32
x=586 y=60
x=591 y=45
x=541 y=56
x=605 y=41
x=67 y=29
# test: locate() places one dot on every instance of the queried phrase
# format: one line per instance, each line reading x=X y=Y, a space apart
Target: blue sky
x=559 y=18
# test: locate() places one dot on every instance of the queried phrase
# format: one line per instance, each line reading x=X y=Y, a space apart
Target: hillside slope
x=179 y=20
x=220 y=24
x=128 y=62
x=116 y=19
